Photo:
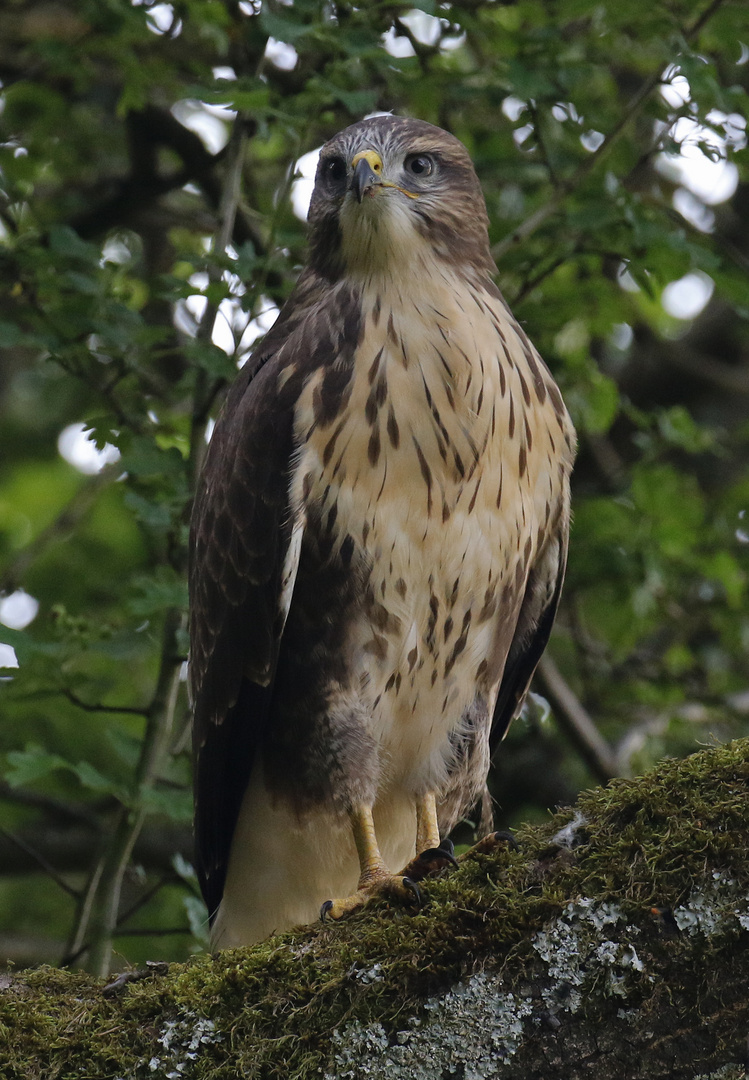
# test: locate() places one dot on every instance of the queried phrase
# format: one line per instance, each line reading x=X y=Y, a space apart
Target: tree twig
x=228 y=205
x=565 y=187
x=103 y=915
x=127 y=710
x=576 y=722
x=41 y=861
x=53 y=807
x=66 y=521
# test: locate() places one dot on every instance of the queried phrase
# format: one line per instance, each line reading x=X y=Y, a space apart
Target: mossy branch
x=613 y=943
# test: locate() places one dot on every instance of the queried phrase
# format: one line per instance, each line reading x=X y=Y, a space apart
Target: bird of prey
x=378 y=545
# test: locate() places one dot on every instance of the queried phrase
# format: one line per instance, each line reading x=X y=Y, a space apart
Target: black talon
x=325 y=909
x=411 y=885
x=440 y=852
x=509 y=839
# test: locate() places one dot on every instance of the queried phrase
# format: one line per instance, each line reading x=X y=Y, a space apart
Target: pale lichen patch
x=181 y=1042
x=466 y=1032
x=574 y=953
x=713 y=908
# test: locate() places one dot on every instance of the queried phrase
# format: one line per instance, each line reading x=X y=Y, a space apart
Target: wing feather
x=532 y=631
x=245 y=547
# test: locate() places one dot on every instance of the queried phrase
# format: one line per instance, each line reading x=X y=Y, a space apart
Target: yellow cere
x=375 y=164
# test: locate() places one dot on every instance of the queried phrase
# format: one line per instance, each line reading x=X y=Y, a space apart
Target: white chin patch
x=379 y=232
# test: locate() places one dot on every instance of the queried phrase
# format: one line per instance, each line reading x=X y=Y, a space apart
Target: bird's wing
x=532 y=630
x=244 y=549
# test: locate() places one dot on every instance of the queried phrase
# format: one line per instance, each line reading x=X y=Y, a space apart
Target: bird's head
x=390 y=192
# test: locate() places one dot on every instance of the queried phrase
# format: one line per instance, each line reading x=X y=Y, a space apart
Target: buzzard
x=378 y=545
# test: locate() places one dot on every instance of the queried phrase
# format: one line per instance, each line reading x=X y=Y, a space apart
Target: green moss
x=270 y=1011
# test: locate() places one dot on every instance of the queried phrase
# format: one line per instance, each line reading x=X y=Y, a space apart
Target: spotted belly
x=430 y=481
x=422 y=645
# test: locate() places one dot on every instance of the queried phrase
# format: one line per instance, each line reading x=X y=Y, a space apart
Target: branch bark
x=613 y=943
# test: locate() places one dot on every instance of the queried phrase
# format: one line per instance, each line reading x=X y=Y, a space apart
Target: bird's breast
x=433 y=478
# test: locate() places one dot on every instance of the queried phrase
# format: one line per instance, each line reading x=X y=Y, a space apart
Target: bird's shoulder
x=240 y=526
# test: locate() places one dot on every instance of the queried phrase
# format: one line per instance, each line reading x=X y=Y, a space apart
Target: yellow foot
x=493 y=842
x=392 y=886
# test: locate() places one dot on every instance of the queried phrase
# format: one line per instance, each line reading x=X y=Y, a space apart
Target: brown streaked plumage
x=378 y=545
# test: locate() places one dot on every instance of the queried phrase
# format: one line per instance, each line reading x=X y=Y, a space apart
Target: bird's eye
x=334 y=171
x=419 y=165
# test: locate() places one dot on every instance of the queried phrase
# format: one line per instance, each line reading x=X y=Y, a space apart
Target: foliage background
x=147 y=168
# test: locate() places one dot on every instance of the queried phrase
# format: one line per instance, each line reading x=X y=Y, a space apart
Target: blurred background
x=156 y=163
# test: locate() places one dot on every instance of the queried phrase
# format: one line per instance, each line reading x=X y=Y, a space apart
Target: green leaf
x=31 y=764
x=171 y=802
x=160 y=591
x=10 y=335
x=92 y=779
x=34 y=763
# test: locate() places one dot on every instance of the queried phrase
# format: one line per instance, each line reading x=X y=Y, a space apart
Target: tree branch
x=613 y=943
x=40 y=861
x=576 y=722
x=566 y=187
x=127 y=710
x=68 y=850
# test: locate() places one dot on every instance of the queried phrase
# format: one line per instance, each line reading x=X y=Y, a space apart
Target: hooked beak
x=367 y=172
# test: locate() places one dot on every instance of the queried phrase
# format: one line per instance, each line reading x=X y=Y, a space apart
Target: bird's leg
x=371 y=863
x=427 y=827
x=374 y=878
x=432 y=855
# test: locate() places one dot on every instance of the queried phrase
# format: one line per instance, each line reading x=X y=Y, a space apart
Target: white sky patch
x=397 y=44
x=258 y=326
x=621 y=335
x=223 y=326
x=18 y=609
x=281 y=55
x=8 y=656
x=591 y=140
x=565 y=110
x=427 y=29
x=513 y=108
x=706 y=179
x=686 y=298
x=712 y=179
x=210 y=123
x=301 y=189
x=160 y=18
x=675 y=90
x=115 y=250
x=74 y=443
x=234 y=329
x=626 y=280
x=520 y=134
x=693 y=210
